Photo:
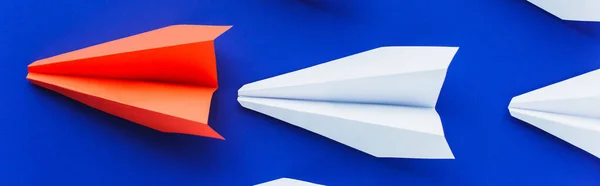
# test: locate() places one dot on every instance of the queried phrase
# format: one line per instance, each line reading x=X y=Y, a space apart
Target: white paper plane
x=569 y=110
x=287 y=182
x=573 y=10
x=381 y=101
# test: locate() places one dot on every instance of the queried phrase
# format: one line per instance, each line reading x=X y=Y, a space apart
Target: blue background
x=508 y=47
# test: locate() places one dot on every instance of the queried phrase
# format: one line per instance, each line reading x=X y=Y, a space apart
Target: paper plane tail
x=585 y=10
x=198 y=130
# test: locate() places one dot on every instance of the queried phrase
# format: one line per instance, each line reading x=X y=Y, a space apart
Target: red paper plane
x=163 y=79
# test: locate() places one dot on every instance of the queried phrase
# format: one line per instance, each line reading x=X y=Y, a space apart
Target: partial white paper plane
x=569 y=110
x=573 y=10
x=381 y=101
x=287 y=182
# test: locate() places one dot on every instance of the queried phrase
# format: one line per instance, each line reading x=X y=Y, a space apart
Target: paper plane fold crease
x=381 y=101
x=569 y=110
x=163 y=79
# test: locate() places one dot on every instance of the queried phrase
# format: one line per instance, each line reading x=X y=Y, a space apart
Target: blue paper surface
x=507 y=48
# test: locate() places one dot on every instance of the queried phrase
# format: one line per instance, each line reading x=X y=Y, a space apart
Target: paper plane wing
x=182 y=54
x=411 y=76
x=287 y=182
x=569 y=110
x=380 y=102
x=163 y=79
x=379 y=130
x=579 y=131
x=573 y=10
x=164 y=107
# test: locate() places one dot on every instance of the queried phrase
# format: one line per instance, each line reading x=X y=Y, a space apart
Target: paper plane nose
x=568 y=110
